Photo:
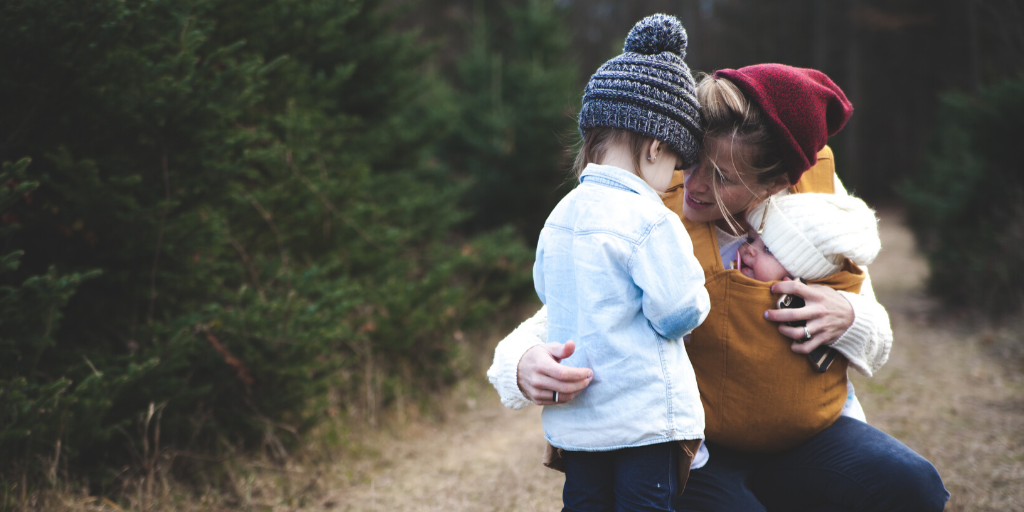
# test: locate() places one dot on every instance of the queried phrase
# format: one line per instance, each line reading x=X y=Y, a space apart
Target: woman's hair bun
x=655 y=34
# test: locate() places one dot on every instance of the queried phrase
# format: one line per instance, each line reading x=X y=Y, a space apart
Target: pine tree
x=239 y=205
x=519 y=94
x=967 y=205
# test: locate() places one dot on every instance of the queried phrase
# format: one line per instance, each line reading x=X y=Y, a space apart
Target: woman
x=766 y=126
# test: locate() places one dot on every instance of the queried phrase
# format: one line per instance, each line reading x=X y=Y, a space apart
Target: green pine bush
x=232 y=207
x=967 y=206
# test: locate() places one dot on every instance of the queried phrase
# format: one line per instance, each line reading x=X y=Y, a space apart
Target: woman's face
x=737 y=192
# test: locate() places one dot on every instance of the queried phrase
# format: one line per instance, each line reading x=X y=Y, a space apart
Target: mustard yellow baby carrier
x=758 y=395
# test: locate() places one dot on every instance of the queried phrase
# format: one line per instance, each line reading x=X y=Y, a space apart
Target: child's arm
x=664 y=267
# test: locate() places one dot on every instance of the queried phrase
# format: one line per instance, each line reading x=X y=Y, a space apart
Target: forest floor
x=953 y=390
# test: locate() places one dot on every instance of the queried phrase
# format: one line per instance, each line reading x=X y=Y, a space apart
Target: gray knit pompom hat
x=648 y=89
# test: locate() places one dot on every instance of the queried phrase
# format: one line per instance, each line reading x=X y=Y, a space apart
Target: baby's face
x=756 y=262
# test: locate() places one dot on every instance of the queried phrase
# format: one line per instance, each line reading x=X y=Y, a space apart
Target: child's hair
x=597 y=140
x=735 y=125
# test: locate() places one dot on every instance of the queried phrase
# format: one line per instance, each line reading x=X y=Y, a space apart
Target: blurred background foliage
x=223 y=220
x=214 y=214
x=966 y=205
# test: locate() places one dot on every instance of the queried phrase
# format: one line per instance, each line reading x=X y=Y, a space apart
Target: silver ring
x=807 y=334
x=554 y=396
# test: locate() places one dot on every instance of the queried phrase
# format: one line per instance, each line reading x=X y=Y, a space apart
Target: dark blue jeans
x=642 y=478
x=849 y=467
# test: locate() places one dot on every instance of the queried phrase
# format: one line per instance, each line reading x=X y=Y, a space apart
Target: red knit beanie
x=803 y=108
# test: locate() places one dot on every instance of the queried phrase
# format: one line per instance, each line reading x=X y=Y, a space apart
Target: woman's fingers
x=802 y=345
x=826 y=312
x=543 y=392
x=809 y=312
x=561 y=350
x=539 y=374
x=822 y=328
x=809 y=292
x=540 y=390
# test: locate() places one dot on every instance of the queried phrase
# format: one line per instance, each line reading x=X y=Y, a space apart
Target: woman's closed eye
x=720 y=178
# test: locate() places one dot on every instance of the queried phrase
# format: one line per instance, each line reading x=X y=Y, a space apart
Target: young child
x=616 y=270
x=809 y=236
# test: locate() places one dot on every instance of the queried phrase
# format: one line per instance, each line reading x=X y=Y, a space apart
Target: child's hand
x=827 y=313
x=539 y=374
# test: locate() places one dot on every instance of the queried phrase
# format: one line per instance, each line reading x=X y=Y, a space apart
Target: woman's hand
x=539 y=374
x=828 y=315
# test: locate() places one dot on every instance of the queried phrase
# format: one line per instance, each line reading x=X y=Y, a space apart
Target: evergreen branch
x=273 y=227
x=330 y=206
x=241 y=370
x=244 y=255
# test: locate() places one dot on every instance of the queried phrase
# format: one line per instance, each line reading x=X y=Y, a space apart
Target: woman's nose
x=693 y=179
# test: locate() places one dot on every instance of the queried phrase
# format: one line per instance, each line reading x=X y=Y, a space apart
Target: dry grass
x=472 y=455
x=951 y=390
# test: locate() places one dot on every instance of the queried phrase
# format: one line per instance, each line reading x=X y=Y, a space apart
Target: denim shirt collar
x=616 y=177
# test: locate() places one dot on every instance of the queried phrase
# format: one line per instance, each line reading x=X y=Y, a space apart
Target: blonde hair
x=595 y=144
x=734 y=123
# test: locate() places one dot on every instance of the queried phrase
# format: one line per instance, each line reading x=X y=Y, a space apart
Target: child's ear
x=653 y=149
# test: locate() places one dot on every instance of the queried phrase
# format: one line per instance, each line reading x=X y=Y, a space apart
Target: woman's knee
x=862 y=468
x=912 y=484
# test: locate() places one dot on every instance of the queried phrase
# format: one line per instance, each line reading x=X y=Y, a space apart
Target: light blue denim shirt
x=616 y=270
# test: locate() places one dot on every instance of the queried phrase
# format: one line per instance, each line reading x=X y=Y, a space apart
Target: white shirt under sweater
x=865 y=344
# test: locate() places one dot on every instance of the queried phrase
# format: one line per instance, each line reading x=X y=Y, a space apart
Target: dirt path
x=953 y=393
x=945 y=392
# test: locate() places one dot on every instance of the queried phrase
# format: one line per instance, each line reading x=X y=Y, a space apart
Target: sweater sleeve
x=867 y=342
x=503 y=373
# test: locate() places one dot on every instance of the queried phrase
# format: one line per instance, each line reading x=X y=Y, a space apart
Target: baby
x=809 y=237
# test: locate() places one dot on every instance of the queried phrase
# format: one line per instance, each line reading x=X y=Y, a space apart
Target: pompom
x=655 y=34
